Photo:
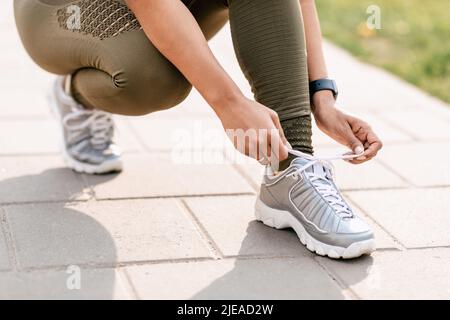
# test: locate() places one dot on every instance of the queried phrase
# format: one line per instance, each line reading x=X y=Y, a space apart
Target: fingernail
x=359 y=149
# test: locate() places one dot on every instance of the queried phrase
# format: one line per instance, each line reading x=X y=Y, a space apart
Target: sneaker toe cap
x=353 y=225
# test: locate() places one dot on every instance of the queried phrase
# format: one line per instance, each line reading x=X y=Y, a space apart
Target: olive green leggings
x=117 y=69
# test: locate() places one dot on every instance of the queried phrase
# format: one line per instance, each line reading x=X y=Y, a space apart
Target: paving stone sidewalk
x=169 y=227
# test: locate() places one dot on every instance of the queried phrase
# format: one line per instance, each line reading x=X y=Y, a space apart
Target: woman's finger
x=354 y=161
x=353 y=142
x=375 y=145
x=279 y=150
x=277 y=124
x=265 y=155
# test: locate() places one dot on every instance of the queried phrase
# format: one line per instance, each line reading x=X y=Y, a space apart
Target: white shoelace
x=321 y=181
x=99 y=124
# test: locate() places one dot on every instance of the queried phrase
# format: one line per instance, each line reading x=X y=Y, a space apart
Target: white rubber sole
x=81 y=167
x=279 y=219
x=78 y=166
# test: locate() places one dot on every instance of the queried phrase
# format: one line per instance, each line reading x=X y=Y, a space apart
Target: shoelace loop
x=99 y=124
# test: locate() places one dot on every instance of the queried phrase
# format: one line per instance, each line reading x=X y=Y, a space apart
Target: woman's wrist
x=226 y=100
x=322 y=100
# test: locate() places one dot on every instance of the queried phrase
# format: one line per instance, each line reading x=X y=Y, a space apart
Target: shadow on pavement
x=294 y=277
x=56 y=247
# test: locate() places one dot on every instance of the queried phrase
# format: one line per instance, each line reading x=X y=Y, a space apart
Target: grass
x=413 y=42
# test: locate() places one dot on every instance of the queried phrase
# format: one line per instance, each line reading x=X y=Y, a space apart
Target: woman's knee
x=132 y=90
x=141 y=94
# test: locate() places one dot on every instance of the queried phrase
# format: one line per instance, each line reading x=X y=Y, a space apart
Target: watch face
x=336 y=92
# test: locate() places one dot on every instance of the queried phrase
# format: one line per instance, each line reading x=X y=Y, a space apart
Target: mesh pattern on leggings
x=100 y=18
x=298 y=132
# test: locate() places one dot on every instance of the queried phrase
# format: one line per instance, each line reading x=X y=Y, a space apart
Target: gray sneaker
x=87 y=145
x=305 y=198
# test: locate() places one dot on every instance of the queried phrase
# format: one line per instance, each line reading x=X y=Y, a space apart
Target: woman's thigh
x=114 y=65
x=211 y=15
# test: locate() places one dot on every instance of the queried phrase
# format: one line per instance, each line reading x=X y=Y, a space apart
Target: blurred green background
x=414 y=40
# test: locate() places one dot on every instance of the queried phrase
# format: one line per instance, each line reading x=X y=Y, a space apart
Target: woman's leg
x=143 y=81
x=270 y=45
x=211 y=15
x=114 y=66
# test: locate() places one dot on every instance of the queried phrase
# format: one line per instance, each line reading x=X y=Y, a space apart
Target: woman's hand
x=344 y=128
x=254 y=129
x=171 y=27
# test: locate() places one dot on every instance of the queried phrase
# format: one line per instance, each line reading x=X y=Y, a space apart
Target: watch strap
x=323 y=84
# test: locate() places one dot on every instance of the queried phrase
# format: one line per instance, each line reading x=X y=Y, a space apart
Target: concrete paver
x=388 y=133
x=30 y=137
x=413 y=123
x=297 y=278
x=4 y=256
x=369 y=175
x=39 y=178
x=164 y=134
x=231 y=224
x=423 y=164
x=157 y=175
x=19 y=106
x=103 y=284
x=417 y=217
x=106 y=233
x=418 y=274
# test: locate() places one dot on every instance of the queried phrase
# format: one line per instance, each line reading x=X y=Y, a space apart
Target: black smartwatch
x=323 y=84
